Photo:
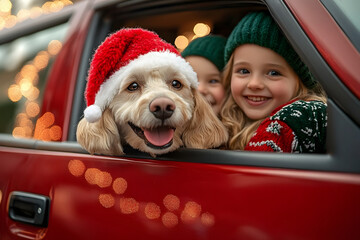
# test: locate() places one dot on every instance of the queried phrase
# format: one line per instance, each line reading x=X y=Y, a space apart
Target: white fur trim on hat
x=92 y=113
x=148 y=61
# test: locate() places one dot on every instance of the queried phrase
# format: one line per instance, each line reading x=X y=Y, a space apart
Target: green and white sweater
x=297 y=127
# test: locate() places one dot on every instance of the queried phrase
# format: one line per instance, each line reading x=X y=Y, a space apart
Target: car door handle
x=29 y=208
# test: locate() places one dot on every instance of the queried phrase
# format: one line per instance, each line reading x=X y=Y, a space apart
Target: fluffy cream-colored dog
x=148 y=101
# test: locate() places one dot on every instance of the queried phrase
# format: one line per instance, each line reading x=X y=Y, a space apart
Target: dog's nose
x=162 y=107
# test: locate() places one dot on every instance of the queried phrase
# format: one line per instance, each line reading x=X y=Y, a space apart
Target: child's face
x=209 y=78
x=261 y=80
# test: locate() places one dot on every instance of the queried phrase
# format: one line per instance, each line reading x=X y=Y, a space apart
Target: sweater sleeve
x=298 y=127
x=272 y=136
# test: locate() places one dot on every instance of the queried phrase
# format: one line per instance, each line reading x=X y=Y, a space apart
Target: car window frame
x=331 y=161
x=346 y=25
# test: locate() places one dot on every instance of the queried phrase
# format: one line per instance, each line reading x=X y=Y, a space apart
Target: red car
x=50 y=188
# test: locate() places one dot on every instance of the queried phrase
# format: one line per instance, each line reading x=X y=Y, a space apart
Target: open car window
x=172 y=22
x=344 y=12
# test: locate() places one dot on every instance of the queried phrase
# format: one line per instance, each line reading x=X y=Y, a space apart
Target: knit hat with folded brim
x=210 y=47
x=259 y=28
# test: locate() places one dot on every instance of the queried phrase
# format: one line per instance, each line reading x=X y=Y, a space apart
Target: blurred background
x=24 y=63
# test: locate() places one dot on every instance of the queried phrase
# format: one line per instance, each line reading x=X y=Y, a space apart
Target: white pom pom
x=92 y=113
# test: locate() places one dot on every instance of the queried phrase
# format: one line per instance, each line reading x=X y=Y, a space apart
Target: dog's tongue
x=159 y=136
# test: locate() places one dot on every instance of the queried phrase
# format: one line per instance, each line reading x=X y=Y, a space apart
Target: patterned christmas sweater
x=297 y=127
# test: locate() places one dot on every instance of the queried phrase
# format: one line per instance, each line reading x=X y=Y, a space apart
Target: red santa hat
x=124 y=51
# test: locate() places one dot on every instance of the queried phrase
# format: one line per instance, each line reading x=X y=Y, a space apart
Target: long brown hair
x=239 y=126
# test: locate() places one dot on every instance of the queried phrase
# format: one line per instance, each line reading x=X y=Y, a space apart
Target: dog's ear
x=204 y=130
x=100 y=137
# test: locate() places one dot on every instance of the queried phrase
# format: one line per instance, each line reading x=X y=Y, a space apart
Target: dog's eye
x=176 y=84
x=133 y=87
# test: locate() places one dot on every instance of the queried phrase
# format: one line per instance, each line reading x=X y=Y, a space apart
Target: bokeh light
x=28 y=131
x=5 y=6
x=24 y=121
x=106 y=200
x=24 y=126
x=170 y=220
x=55 y=133
x=32 y=109
x=22 y=15
x=32 y=94
x=36 y=12
x=45 y=135
x=25 y=85
x=47 y=119
x=181 y=42
x=10 y=21
x=95 y=176
x=18 y=132
x=14 y=93
x=41 y=60
x=103 y=179
x=129 y=205
x=119 y=185
x=191 y=212
x=30 y=72
x=171 y=202
x=201 y=29
x=207 y=219
x=91 y=175
x=152 y=211
x=76 y=167
x=54 y=47
x=56 y=6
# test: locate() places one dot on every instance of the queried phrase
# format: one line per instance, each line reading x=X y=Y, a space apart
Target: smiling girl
x=273 y=102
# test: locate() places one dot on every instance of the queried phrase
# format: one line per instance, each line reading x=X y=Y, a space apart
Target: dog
x=150 y=102
x=156 y=112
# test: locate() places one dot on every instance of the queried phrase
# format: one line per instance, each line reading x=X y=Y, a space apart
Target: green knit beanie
x=259 y=28
x=210 y=47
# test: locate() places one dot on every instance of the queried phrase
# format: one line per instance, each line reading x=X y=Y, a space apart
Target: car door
x=190 y=193
x=33 y=52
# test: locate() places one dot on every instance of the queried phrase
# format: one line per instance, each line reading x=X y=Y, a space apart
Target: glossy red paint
x=59 y=91
x=101 y=197
x=213 y=201
x=330 y=41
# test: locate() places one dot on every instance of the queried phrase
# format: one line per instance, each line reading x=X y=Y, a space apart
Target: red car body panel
x=330 y=40
x=209 y=201
x=103 y=197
